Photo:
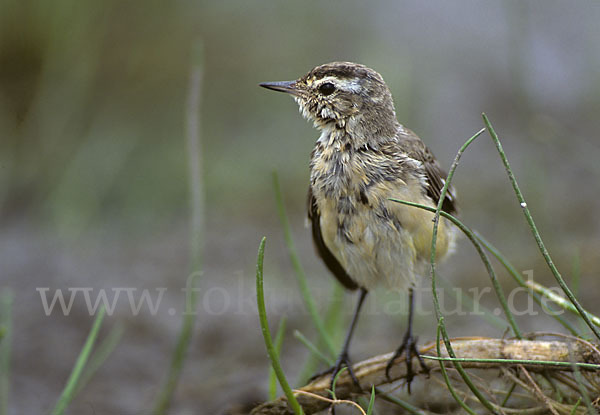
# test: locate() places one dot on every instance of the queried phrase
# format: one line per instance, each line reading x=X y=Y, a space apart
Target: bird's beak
x=285 y=86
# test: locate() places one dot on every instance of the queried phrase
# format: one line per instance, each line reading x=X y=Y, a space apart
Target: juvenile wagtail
x=363 y=158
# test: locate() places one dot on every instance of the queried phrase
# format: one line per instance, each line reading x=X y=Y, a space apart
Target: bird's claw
x=409 y=347
x=343 y=361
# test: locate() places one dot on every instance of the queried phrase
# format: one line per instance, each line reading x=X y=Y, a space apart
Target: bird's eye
x=327 y=88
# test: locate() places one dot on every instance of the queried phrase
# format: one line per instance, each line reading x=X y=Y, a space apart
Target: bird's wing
x=330 y=260
x=436 y=177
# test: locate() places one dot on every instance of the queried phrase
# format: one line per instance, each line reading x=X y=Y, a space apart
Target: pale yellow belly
x=385 y=242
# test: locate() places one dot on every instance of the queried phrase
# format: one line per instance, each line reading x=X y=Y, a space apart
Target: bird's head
x=342 y=95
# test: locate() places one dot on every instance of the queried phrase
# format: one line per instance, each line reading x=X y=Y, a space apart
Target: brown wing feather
x=330 y=260
x=436 y=177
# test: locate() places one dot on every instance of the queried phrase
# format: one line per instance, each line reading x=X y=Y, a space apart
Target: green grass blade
x=484 y=401
x=264 y=324
x=6 y=301
x=309 y=301
x=576 y=281
x=534 y=230
x=497 y=254
x=278 y=343
x=371 y=401
x=445 y=373
x=103 y=351
x=68 y=392
x=311 y=346
x=560 y=300
x=517 y=277
x=508 y=394
x=574 y=410
x=582 y=389
x=591 y=366
x=163 y=402
x=554 y=386
x=333 y=322
x=334 y=383
x=193 y=136
x=335 y=312
x=413 y=410
x=478 y=247
x=196 y=182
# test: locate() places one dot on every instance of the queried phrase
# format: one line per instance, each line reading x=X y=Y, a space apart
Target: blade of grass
x=332 y=325
x=165 y=395
x=534 y=230
x=193 y=142
x=478 y=247
x=574 y=410
x=559 y=300
x=278 y=342
x=371 y=401
x=438 y=211
x=484 y=401
x=104 y=349
x=195 y=160
x=264 y=324
x=310 y=346
x=67 y=393
x=552 y=363
x=517 y=277
x=335 y=312
x=399 y=402
x=555 y=387
x=582 y=389
x=576 y=281
x=508 y=394
x=334 y=383
x=445 y=373
x=299 y=271
x=6 y=300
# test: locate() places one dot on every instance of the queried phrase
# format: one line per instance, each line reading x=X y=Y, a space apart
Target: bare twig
x=473 y=353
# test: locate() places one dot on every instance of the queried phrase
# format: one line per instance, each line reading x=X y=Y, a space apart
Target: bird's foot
x=343 y=361
x=409 y=347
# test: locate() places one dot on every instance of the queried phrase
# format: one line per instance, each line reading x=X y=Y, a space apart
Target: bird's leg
x=343 y=359
x=408 y=346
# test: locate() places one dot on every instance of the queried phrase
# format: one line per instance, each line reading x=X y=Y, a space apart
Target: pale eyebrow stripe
x=352 y=84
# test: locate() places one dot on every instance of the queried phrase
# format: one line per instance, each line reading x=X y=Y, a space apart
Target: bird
x=364 y=157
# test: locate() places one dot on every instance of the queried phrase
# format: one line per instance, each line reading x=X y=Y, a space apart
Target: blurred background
x=94 y=172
